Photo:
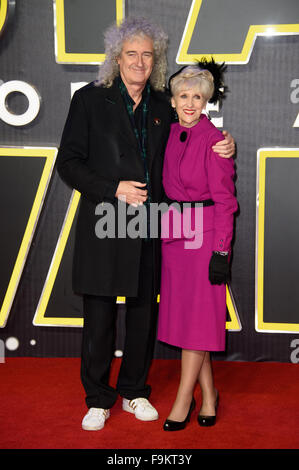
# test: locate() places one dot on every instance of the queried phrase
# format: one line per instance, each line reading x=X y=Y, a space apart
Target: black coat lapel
x=156 y=126
x=118 y=116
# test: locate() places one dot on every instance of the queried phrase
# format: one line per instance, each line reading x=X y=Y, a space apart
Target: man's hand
x=129 y=192
x=225 y=148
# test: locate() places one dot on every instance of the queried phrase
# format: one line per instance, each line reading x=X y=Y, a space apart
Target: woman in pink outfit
x=196 y=239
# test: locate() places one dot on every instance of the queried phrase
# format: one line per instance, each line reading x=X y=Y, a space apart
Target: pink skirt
x=192 y=311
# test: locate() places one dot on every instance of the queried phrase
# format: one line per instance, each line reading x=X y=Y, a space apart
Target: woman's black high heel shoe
x=171 y=425
x=204 y=420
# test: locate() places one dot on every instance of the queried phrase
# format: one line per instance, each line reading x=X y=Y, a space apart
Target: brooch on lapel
x=157 y=121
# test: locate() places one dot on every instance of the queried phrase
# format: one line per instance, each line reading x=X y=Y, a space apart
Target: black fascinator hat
x=217 y=70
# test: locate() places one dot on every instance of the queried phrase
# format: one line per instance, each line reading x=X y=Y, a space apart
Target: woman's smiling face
x=189 y=104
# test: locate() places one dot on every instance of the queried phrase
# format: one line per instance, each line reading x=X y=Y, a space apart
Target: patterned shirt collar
x=123 y=89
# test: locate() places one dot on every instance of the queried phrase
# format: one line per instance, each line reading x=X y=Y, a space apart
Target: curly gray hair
x=114 y=38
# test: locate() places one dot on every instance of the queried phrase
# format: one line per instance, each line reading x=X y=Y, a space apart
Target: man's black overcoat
x=98 y=149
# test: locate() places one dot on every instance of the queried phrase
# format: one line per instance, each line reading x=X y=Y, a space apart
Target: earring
x=175 y=114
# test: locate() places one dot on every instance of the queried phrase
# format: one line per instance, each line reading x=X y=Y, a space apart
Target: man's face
x=136 y=61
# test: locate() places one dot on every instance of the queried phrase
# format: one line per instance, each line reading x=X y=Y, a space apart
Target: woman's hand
x=129 y=192
x=225 y=148
x=219 y=269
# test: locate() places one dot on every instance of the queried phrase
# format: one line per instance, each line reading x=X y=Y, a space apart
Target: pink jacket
x=193 y=172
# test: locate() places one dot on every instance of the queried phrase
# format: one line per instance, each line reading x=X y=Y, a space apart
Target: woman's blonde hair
x=193 y=77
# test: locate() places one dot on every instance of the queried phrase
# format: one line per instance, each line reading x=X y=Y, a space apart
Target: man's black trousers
x=98 y=342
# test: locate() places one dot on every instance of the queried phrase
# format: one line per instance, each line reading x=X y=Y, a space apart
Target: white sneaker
x=141 y=408
x=95 y=418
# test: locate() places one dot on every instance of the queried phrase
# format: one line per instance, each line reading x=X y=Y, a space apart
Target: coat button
x=183 y=136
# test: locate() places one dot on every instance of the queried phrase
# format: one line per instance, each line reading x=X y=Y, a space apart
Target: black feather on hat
x=217 y=70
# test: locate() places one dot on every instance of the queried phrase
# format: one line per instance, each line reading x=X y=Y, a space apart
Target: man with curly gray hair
x=114 y=38
x=112 y=151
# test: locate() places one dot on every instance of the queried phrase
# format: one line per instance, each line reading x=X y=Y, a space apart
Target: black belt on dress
x=204 y=203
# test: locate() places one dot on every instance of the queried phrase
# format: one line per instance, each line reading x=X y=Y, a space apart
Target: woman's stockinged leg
x=191 y=364
x=206 y=381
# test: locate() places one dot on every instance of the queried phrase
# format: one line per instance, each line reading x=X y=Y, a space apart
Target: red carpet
x=42 y=405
